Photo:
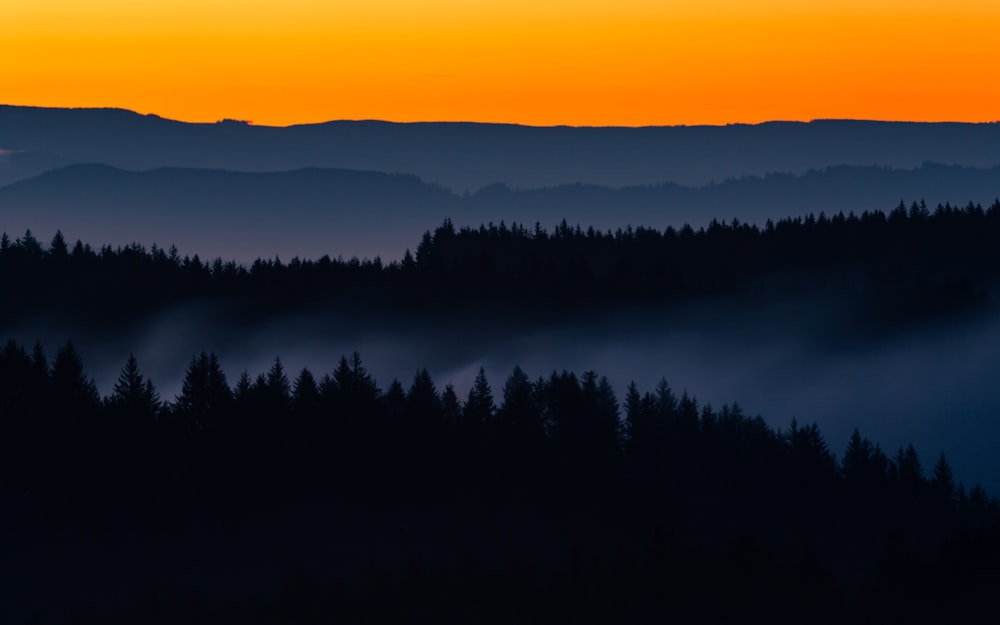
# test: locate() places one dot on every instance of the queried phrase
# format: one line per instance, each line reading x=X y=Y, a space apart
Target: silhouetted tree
x=243 y=390
x=205 y=394
x=275 y=391
x=908 y=466
x=519 y=417
x=353 y=389
x=943 y=481
x=134 y=395
x=450 y=405
x=305 y=395
x=30 y=245
x=74 y=393
x=858 y=463
x=479 y=407
x=423 y=405
x=58 y=248
x=395 y=402
x=810 y=454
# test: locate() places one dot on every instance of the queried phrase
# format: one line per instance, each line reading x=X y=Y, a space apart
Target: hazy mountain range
x=371 y=188
x=312 y=212
x=466 y=156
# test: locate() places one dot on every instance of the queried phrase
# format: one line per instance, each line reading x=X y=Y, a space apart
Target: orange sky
x=580 y=62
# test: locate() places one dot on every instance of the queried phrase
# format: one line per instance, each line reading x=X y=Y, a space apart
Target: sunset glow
x=632 y=62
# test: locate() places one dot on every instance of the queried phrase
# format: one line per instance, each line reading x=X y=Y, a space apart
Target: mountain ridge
x=465 y=156
x=315 y=211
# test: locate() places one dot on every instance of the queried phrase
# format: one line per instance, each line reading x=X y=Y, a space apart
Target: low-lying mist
x=931 y=383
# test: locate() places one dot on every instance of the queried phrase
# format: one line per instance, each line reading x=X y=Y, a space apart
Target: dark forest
x=910 y=263
x=297 y=498
x=325 y=497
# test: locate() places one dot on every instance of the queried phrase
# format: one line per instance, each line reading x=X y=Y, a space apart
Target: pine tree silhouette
x=133 y=394
x=205 y=395
x=943 y=481
x=479 y=407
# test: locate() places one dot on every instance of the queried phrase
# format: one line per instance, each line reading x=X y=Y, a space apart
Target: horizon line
x=247 y=122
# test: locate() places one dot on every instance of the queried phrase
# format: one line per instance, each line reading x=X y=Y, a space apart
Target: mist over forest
x=827 y=343
x=930 y=386
x=450 y=373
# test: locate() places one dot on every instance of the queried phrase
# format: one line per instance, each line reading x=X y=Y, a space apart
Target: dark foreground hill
x=466 y=156
x=325 y=499
x=313 y=212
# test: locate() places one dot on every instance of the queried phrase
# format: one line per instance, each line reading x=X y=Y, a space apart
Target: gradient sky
x=579 y=62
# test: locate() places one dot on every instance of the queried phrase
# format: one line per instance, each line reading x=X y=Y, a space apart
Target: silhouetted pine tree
x=133 y=396
x=243 y=390
x=809 y=453
x=479 y=407
x=275 y=392
x=305 y=396
x=909 y=478
x=75 y=395
x=352 y=390
x=451 y=407
x=205 y=396
x=943 y=482
x=519 y=417
x=394 y=400
x=58 y=249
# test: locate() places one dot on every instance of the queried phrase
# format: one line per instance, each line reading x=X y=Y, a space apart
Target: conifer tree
x=395 y=402
x=133 y=396
x=277 y=390
x=422 y=401
x=353 y=388
x=58 y=248
x=908 y=467
x=451 y=407
x=305 y=394
x=943 y=481
x=857 y=457
x=479 y=407
x=244 y=388
x=73 y=390
x=205 y=394
x=519 y=416
x=636 y=419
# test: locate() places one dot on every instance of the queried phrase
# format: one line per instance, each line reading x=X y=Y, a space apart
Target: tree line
x=908 y=263
x=545 y=500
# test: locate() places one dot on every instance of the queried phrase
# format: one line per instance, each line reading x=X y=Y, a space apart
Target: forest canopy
x=654 y=502
x=909 y=263
x=298 y=496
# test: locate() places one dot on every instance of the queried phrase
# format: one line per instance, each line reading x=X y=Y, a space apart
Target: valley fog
x=930 y=384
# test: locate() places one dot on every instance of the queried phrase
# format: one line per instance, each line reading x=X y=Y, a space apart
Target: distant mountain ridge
x=304 y=212
x=315 y=211
x=467 y=156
